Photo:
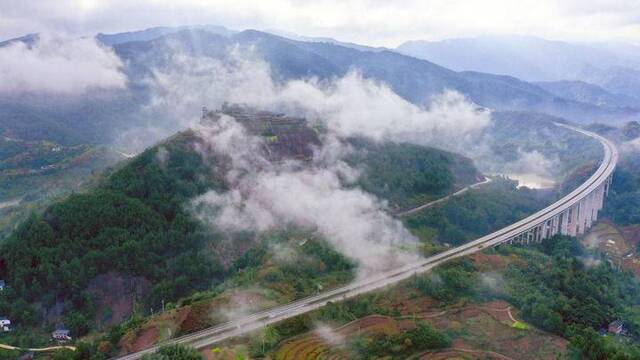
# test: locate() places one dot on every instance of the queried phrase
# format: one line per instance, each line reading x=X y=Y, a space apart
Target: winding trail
x=44 y=349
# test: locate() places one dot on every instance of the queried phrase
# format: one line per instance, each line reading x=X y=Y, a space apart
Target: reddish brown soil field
x=619 y=244
x=493 y=262
x=488 y=327
x=631 y=234
x=485 y=332
x=463 y=354
x=141 y=340
x=317 y=344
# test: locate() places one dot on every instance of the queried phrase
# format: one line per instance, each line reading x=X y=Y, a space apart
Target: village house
x=61 y=333
x=5 y=324
x=616 y=327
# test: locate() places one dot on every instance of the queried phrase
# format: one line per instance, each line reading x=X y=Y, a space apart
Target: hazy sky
x=373 y=22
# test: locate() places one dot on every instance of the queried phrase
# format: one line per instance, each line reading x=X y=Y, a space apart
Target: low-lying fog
x=531 y=180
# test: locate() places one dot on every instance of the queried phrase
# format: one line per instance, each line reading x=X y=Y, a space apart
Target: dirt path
x=444 y=312
x=50 y=348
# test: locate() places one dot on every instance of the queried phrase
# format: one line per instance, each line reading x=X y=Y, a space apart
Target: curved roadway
x=443 y=199
x=257 y=320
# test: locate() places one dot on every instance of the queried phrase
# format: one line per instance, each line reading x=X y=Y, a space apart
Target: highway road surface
x=243 y=326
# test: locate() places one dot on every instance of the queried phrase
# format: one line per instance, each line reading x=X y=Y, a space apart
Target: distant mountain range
x=156 y=32
x=27 y=39
x=293 y=57
x=414 y=79
x=613 y=66
x=581 y=91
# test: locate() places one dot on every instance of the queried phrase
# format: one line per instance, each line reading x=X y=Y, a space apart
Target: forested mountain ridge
x=132 y=223
x=613 y=66
x=34 y=172
x=100 y=117
x=414 y=79
x=137 y=225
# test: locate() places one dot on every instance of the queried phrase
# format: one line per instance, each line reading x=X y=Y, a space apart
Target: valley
x=254 y=272
x=270 y=180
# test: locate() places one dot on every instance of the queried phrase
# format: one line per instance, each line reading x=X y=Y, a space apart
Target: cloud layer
x=60 y=66
x=267 y=196
x=364 y=21
x=317 y=196
x=348 y=106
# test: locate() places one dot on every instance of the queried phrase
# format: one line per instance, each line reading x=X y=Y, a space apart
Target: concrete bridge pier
x=564 y=222
x=539 y=231
x=590 y=208
x=555 y=224
x=607 y=185
x=574 y=221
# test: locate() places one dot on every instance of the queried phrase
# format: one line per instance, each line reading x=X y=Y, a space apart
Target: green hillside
x=132 y=223
x=34 y=172
x=135 y=225
x=408 y=175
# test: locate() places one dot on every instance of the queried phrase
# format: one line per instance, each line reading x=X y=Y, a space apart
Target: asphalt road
x=443 y=199
x=255 y=321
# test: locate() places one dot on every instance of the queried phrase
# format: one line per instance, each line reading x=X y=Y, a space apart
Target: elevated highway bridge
x=571 y=215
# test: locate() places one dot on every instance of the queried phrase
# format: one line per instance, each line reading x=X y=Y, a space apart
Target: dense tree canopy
x=622 y=206
x=137 y=222
x=476 y=213
x=133 y=223
x=175 y=352
x=557 y=292
x=406 y=174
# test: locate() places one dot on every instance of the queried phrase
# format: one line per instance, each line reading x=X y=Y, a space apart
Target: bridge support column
x=540 y=232
x=556 y=225
x=563 y=220
x=548 y=231
x=549 y=228
x=582 y=216
x=590 y=208
x=572 y=219
x=599 y=201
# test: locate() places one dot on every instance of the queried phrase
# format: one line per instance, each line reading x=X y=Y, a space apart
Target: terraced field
x=325 y=343
x=508 y=337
